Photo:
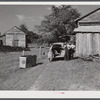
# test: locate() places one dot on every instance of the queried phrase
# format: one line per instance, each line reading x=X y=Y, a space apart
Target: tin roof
x=15 y=30
x=92 y=16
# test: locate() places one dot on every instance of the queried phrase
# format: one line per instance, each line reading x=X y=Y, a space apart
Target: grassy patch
x=12 y=49
x=14 y=78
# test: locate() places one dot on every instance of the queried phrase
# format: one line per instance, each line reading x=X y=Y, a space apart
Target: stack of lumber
x=91 y=58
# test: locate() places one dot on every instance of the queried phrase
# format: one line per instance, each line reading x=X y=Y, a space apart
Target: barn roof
x=15 y=30
x=95 y=29
x=90 y=17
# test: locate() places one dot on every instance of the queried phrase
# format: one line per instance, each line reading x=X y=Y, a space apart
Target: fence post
x=40 y=52
x=23 y=53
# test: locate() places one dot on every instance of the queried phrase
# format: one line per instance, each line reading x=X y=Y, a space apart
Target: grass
x=14 y=78
x=69 y=75
x=12 y=49
x=57 y=75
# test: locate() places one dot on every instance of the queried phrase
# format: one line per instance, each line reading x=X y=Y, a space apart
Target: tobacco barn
x=88 y=34
x=14 y=37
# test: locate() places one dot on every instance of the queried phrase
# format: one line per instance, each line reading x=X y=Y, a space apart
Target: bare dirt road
x=69 y=75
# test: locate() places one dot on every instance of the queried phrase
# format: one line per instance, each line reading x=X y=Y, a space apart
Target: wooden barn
x=14 y=37
x=88 y=34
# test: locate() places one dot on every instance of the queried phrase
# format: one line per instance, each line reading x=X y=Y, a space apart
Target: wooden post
x=23 y=53
x=40 y=52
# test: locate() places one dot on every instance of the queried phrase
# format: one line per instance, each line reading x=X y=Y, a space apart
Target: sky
x=31 y=15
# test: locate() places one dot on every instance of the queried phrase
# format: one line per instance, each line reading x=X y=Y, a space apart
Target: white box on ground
x=22 y=63
x=27 y=61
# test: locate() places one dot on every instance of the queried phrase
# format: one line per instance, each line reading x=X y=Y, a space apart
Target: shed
x=2 y=40
x=14 y=37
x=88 y=34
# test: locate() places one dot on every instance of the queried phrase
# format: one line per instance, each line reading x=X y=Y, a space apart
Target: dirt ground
x=57 y=75
x=69 y=75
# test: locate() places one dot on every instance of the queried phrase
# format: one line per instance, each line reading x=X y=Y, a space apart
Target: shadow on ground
x=58 y=59
x=62 y=59
x=40 y=63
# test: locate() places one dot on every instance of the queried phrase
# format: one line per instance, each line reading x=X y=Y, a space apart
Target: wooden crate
x=27 y=61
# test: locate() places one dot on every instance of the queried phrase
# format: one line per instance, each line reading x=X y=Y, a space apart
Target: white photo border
x=50 y=94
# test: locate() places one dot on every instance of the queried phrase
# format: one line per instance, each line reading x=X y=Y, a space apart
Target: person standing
x=66 y=57
x=71 y=49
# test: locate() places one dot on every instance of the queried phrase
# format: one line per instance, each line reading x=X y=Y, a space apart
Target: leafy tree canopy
x=59 y=22
x=24 y=28
x=30 y=34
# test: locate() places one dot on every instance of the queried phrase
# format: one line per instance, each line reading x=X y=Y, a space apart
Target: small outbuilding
x=14 y=37
x=88 y=34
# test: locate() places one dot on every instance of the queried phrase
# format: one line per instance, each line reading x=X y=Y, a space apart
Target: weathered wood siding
x=22 y=40
x=88 y=34
x=15 y=37
x=77 y=45
x=87 y=44
x=84 y=45
x=9 y=39
x=96 y=40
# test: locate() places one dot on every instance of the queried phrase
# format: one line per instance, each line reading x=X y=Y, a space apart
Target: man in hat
x=71 y=49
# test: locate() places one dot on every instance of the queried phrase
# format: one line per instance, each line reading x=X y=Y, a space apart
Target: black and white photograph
x=50 y=47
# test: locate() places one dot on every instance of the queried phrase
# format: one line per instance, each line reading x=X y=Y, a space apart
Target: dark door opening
x=15 y=43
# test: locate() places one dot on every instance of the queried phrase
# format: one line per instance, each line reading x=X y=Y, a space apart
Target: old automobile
x=57 y=50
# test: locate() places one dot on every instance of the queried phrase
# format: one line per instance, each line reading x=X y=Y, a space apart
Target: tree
x=24 y=28
x=30 y=34
x=59 y=22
